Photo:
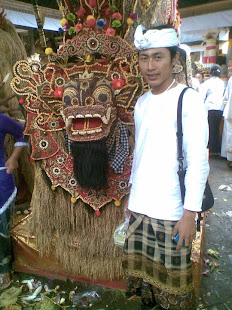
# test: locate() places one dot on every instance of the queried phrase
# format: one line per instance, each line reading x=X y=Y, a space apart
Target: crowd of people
x=217 y=96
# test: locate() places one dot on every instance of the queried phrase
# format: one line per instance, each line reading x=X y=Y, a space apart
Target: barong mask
x=89 y=112
x=83 y=96
x=80 y=113
x=89 y=108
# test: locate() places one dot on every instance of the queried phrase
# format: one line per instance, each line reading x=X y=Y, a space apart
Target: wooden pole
x=40 y=25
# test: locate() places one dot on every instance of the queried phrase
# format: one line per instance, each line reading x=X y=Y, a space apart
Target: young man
x=157 y=212
x=212 y=92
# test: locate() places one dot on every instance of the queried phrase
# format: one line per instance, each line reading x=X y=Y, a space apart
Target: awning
x=198 y=36
x=29 y=20
x=207 y=21
x=194 y=28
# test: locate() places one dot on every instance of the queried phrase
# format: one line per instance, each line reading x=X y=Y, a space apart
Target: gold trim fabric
x=151 y=254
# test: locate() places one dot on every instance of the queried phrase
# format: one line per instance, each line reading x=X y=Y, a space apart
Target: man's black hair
x=215 y=70
x=173 y=49
x=201 y=73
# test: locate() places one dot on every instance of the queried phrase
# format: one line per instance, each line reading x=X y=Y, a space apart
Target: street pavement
x=216 y=286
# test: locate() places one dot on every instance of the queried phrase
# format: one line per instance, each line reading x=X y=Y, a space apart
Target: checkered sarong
x=118 y=157
x=151 y=254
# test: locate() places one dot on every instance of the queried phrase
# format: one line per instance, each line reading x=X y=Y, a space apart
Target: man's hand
x=186 y=227
x=11 y=164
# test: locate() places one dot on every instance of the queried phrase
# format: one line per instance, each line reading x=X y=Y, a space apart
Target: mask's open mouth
x=88 y=124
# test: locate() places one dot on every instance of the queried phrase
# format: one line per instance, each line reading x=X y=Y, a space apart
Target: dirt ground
x=216 y=287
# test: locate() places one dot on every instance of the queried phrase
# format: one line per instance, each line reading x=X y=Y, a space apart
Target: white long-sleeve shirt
x=155 y=189
x=228 y=97
x=212 y=92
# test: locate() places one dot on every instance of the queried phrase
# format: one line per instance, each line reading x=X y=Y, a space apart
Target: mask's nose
x=89 y=101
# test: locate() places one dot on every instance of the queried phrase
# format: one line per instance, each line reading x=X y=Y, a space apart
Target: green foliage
x=10 y=297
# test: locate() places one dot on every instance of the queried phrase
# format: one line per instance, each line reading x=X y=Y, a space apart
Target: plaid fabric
x=151 y=254
x=118 y=157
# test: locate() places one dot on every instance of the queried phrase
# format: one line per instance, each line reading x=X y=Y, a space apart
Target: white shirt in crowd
x=226 y=148
x=155 y=189
x=195 y=84
x=212 y=91
x=228 y=97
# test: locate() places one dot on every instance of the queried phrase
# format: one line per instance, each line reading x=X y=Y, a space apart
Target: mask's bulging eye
x=102 y=94
x=67 y=99
x=70 y=96
x=102 y=97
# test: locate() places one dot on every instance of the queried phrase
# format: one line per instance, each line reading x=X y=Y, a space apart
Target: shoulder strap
x=180 y=152
x=179 y=129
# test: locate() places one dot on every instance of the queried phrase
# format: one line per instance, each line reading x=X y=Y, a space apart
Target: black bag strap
x=180 y=149
x=179 y=129
x=179 y=134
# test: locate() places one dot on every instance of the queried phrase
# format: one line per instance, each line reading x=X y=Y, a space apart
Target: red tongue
x=86 y=123
x=78 y=124
x=94 y=122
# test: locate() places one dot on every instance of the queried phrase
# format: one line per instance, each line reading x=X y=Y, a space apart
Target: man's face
x=199 y=77
x=156 y=67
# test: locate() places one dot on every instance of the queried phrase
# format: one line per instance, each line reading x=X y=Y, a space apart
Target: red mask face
x=89 y=109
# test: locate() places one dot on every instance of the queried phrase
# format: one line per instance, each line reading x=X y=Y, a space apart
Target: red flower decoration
x=81 y=12
x=107 y=12
x=97 y=212
x=117 y=16
x=58 y=92
x=110 y=32
x=118 y=83
x=21 y=100
x=93 y=3
x=90 y=23
x=78 y=27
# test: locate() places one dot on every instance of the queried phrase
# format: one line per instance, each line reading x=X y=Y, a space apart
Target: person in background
x=157 y=268
x=212 y=92
x=195 y=82
x=200 y=77
x=226 y=149
x=8 y=192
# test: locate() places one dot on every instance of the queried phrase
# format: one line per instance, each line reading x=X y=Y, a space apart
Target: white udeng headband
x=154 y=38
